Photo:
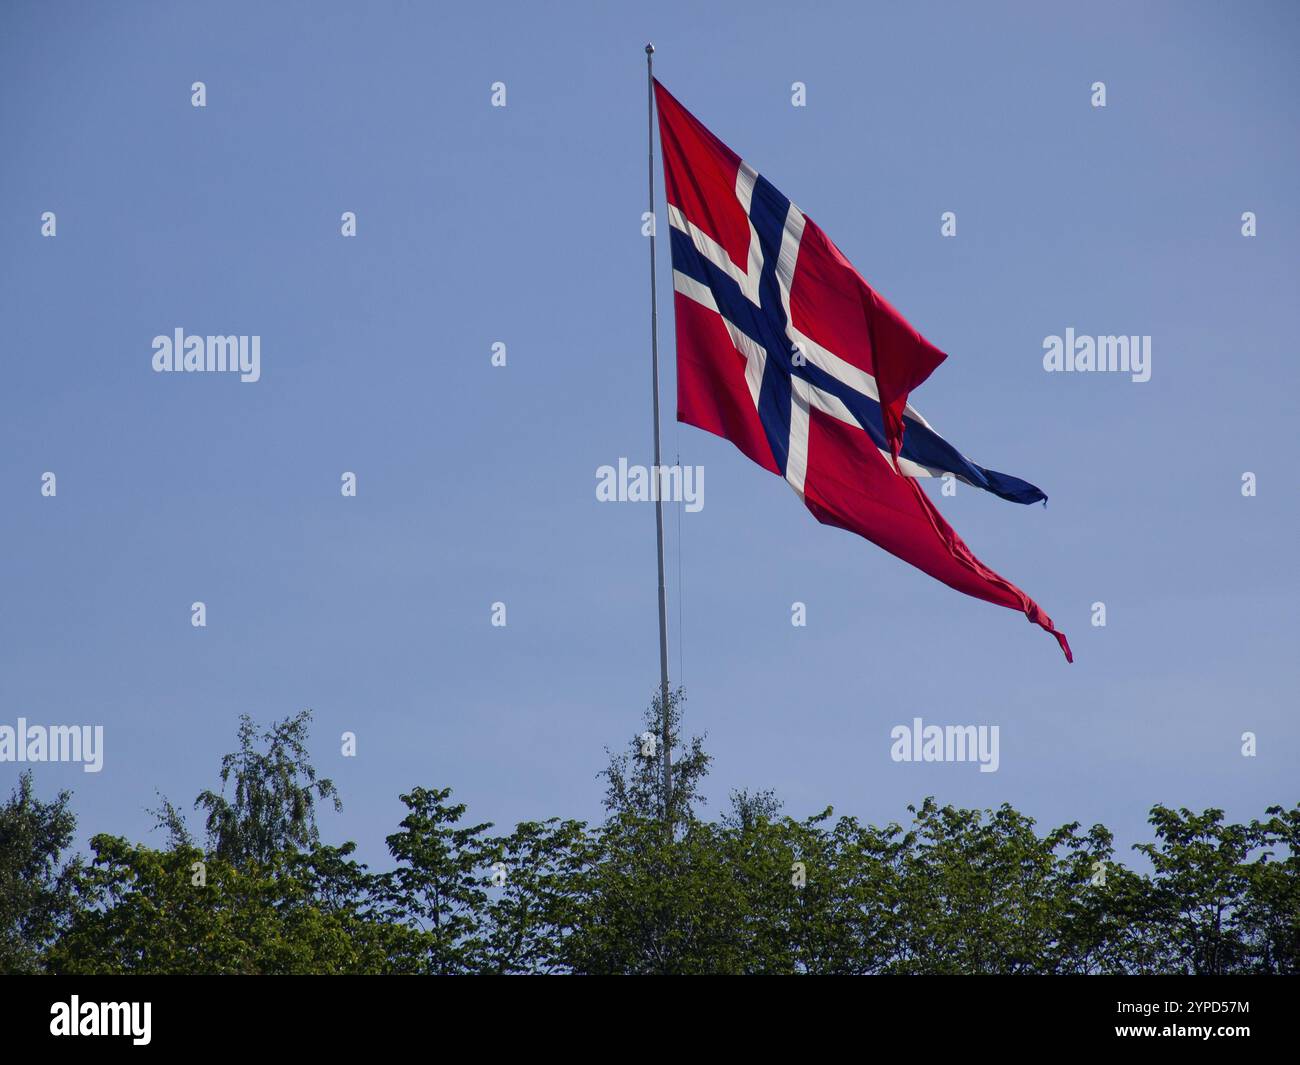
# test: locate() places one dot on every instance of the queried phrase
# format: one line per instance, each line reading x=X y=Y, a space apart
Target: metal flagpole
x=666 y=738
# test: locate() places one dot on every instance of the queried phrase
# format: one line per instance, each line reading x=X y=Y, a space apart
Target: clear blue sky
x=476 y=484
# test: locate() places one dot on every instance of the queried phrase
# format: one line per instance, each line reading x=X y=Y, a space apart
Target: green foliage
x=1269 y=916
x=176 y=911
x=36 y=887
x=439 y=888
x=274 y=796
x=654 y=888
x=634 y=780
x=1223 y=904
x=529 y=916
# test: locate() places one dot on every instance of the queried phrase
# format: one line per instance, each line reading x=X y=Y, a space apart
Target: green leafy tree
x=843 y=917
x=178 y=911
x=1100 y=918
x=1196 y=896
x=263 y=896
x=534 y=902
x=634 y=779
x=982 y=892
x=656 y=888
x=348 y=894
x=657 y=895
x=37 y=896
x=439 y=889
x=651 y=904
x=274 y=789
x=1270 y=913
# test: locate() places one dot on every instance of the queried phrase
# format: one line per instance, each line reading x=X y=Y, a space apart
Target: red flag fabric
x=785 y=350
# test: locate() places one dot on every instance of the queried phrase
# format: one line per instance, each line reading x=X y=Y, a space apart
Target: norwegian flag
x=783 y=349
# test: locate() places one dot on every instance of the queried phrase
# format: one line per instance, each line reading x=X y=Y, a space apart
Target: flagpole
x=666 y=738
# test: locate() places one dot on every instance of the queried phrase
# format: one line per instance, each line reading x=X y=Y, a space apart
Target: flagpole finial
x=649 y=48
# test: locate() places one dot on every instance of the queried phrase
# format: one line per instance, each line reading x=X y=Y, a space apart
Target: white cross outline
x=804 y=394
